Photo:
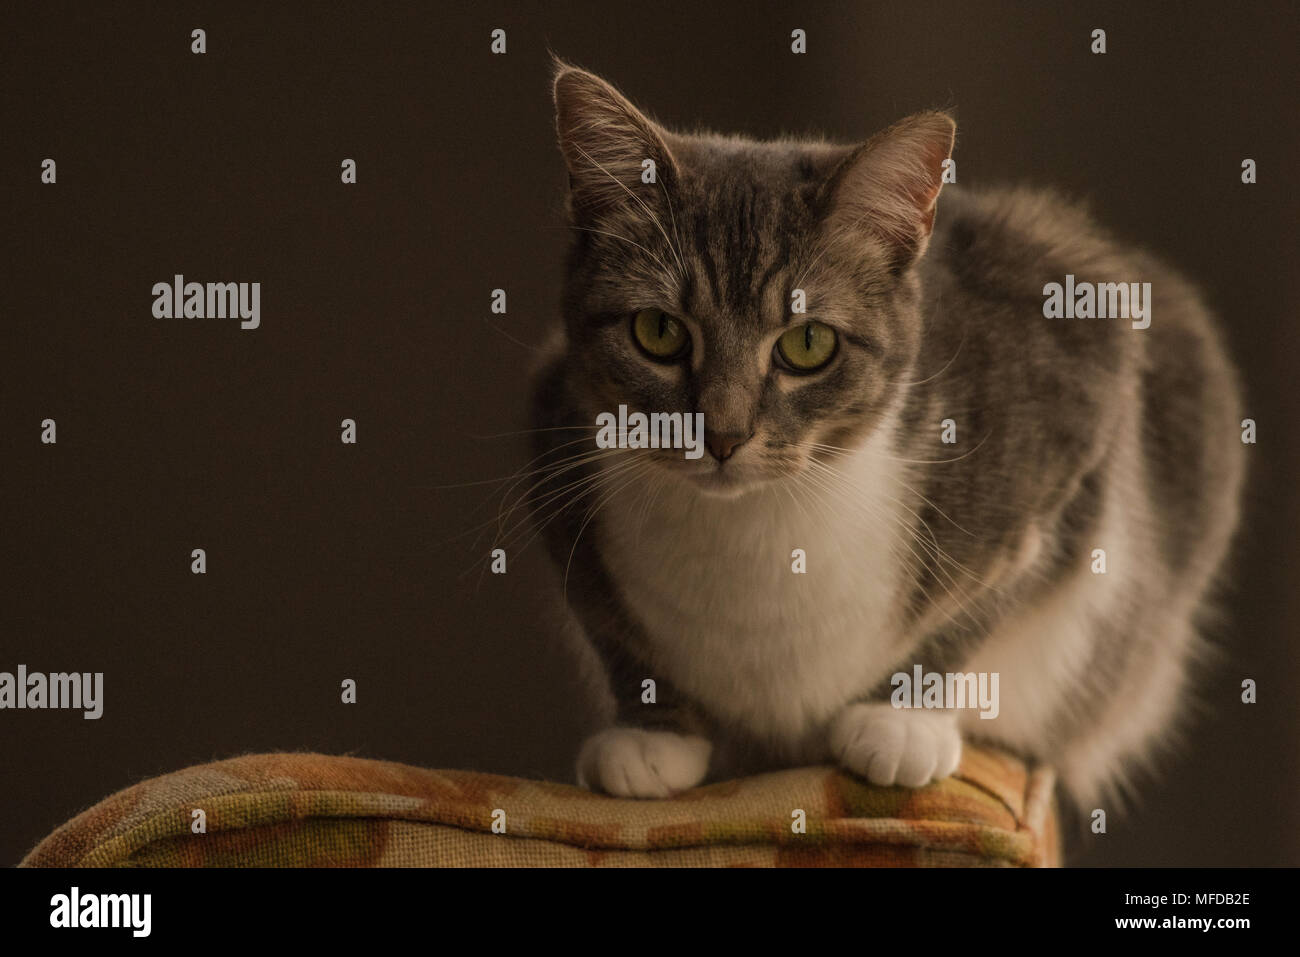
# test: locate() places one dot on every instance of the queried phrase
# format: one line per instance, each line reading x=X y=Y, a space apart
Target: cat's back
x=1005 y=246
x=1037 y=282
x=1066 y=381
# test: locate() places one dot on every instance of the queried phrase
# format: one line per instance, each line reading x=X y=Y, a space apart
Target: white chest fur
x=729 y=620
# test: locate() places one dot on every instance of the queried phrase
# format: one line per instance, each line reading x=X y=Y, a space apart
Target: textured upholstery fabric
x=313 y=810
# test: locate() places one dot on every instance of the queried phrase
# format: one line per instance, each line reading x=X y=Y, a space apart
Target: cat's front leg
x=643 y=762
x=656 y=748
x=896 y=746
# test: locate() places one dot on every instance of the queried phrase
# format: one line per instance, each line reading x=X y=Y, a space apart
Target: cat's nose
x=722 y=444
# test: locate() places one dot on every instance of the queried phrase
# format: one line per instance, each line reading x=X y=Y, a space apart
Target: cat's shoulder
x=1022 y=224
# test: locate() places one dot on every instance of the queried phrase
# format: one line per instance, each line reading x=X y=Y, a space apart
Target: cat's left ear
x=606 y=142
x=889 y=186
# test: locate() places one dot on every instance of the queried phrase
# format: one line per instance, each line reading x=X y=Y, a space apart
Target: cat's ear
x=889 y=186
x=606 y=142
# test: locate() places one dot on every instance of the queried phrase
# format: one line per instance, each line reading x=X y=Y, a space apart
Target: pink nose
x=723 y=444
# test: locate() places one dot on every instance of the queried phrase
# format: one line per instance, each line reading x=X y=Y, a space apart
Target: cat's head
x=692 y=254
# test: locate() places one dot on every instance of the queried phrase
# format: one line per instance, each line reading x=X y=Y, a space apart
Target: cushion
x=317 y=810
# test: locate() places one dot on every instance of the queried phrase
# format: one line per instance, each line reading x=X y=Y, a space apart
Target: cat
x=970 y=485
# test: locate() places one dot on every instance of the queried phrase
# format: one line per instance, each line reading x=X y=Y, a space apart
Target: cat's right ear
x=606 y=142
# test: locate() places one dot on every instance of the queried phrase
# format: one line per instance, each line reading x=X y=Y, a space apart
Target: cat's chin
x=722 y=483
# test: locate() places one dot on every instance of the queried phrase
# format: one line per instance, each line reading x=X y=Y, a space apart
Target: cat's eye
x=808 y=347
x=660 y=335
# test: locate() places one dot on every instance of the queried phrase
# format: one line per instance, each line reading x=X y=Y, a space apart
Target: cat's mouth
x=720 y=481
x=725 y=479
x=730 y=479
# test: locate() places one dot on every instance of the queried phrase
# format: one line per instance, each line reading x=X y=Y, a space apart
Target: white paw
x=889 y=746
x=631 y=762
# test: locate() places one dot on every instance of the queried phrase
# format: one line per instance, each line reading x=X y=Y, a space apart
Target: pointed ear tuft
x=889 y=186
x=605 y=141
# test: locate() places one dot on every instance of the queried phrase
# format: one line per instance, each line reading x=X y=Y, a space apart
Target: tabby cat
x=909 y=462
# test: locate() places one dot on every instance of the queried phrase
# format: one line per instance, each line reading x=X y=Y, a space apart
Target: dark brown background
x=329 y=561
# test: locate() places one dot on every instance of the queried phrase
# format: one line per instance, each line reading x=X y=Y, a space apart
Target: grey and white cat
x=825 y=432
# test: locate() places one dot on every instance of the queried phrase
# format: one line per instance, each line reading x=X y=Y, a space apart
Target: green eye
x=659 y=334
x=808 y=347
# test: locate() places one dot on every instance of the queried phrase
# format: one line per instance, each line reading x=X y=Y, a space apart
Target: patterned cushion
x=315 y=810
